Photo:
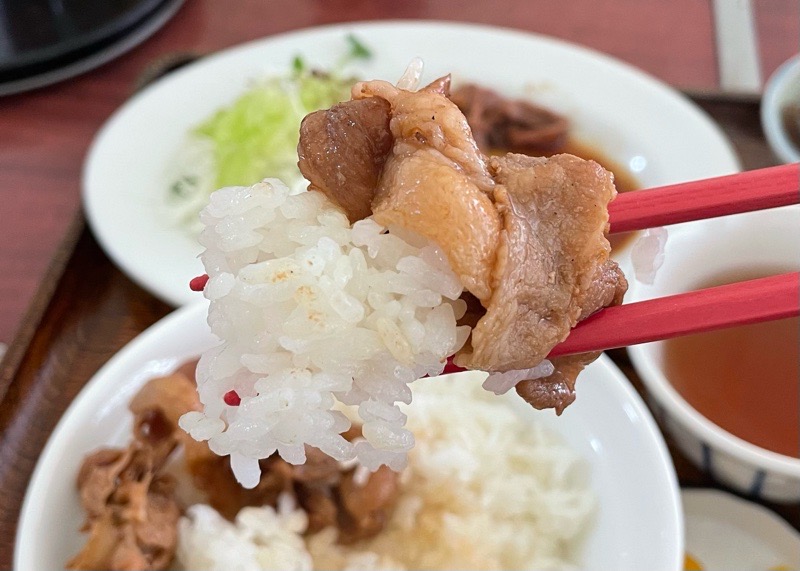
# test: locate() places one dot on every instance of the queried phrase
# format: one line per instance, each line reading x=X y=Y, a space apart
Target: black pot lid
x=43 y=41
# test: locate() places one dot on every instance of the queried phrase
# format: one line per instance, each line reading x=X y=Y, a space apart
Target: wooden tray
x=86 y=310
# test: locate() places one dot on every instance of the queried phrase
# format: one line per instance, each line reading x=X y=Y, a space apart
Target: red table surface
x=94 y=310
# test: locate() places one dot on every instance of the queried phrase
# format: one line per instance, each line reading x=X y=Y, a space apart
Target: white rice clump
x=501 y=383
x=314 y=313
x=647 y=254
x=487 y=487
x=260 y=539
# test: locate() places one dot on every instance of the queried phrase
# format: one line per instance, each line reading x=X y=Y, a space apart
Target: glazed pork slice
x=553 y=269
x=436 y=183
x=525 y=236
x=430 y=179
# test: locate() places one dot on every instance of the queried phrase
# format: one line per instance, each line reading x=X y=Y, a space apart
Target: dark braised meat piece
x=367 y=506
x=319 y=504
x=323 y=488
x=131 y=512
x=515 y=125
x=131 y=515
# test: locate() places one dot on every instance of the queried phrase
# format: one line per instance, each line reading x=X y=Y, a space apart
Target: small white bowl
x=695 y=253
x=782 y=88
x=724 y=531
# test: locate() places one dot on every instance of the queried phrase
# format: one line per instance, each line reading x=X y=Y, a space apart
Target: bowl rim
x=770 y=110
x=658 y=385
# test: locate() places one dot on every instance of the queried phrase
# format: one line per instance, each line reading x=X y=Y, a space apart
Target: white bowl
x=695 y=253
x=782 y=88
x=639 y=523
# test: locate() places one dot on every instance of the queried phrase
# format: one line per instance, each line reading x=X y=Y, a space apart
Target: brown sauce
x=744 y=379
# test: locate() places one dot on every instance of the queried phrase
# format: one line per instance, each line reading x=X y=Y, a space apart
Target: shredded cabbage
x=257 y=136
x=253 y=138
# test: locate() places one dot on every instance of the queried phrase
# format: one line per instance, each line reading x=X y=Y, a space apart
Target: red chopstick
x=742 y=303
x=752 y=301
x=709 y=198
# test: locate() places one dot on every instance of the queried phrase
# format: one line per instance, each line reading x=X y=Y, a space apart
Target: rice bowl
x=476 y=472
x=637 y=524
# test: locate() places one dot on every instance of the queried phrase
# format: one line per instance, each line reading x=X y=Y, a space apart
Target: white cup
x=696 y=253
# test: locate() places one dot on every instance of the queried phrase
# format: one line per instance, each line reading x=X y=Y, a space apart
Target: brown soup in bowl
x=744 y=379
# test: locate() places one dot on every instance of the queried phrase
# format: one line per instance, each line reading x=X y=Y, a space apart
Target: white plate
x=725 y=532
x=639 y=523
x=637 y=121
